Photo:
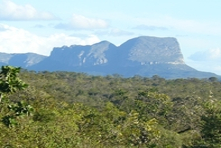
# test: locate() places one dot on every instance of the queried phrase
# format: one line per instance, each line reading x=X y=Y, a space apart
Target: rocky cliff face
x=138 y=51
x=151 y=50
x=77 y=55
x=144 y=56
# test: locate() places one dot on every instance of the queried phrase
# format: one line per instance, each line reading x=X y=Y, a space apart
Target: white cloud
x=12 y=11
x=215 y=54
x=211 y=55
x=184 y=25
x=79 y=21
x=150 y=27
x=208 y=60
x=207 y=66
x=82 y=22
x=14 y=40
x=114 y=32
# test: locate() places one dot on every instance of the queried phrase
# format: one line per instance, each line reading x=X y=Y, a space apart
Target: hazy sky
x=38 y=26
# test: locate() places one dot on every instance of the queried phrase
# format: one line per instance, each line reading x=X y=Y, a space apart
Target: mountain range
x=144 y=56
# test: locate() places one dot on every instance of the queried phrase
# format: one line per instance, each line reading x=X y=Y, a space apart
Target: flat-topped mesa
x=152 y=50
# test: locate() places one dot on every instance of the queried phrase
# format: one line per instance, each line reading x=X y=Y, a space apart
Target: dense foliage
x=67 y=109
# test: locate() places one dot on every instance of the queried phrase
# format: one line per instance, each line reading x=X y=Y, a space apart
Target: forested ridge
x=68 y=109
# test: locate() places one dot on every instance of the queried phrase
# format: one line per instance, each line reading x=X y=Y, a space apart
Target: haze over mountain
x=144 y=56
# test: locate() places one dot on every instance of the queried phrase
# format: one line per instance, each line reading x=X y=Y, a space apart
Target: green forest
x=68 y=109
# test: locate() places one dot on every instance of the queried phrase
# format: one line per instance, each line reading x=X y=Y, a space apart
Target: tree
x=9 y=81
x=211 y=129
x=213 y=79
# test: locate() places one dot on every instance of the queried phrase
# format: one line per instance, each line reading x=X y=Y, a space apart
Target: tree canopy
x=67 y=109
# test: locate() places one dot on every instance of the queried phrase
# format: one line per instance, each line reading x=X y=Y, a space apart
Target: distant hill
x=144 y=56
x=24 y=60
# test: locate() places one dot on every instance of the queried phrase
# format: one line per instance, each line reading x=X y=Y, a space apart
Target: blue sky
x=38 y=26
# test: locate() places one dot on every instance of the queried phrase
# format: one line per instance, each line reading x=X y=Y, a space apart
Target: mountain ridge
x=144 y=56
x=23 y=60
